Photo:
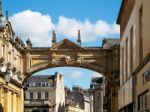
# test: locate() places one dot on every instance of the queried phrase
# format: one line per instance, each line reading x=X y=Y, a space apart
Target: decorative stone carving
x=1 y=60
x=3 y=67
x=60 y=58
x=20 y=76
x=29 y=44
x=16 y=74
x=67 y=53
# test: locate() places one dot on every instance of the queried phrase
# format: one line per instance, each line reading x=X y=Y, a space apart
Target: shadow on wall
x=61 y=108
x=1 y=108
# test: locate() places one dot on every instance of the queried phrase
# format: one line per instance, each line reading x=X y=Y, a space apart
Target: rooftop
x=41 y=80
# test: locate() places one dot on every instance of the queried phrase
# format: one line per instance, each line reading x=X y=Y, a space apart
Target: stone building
x=11 y=69
x=78 y=99
x=73 y=108
x=134 y=22
x=44 y=93
x=88 y=100
x=98 y=95
x=111 y=86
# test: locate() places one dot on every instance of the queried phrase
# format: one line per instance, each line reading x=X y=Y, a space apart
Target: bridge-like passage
x=103 y=60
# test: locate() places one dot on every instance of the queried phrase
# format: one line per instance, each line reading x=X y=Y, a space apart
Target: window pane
x=143 y=79
x=144 y=100
x=31 y=95
x=46 y=95
x=39 y=95
x=147 y=99
x=147 y=78
x=141 y=102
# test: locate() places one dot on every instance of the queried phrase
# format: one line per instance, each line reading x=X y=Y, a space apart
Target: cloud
x=38 y=27
x=68 y=27
x=33 y=25
x=75 y=75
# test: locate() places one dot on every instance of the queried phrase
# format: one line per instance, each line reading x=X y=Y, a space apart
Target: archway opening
x=77 y=88
x=72 y=75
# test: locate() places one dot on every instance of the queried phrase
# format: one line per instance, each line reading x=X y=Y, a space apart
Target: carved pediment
x=8 y=31
x=66 y=44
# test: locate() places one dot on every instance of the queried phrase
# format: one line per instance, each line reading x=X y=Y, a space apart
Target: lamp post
x=5 y=70
x=7 y=74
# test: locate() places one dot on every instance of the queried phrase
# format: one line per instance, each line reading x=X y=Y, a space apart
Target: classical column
x=1 y=99
x=22 y=101
x=0 y=94
x=8 y=101
x=18 y=103
x=14 y=102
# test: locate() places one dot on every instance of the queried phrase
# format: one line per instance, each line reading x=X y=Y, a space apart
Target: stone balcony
x=37 y=102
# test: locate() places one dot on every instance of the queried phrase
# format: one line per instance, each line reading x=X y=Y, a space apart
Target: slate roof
x=38 y=79
x=111 y=42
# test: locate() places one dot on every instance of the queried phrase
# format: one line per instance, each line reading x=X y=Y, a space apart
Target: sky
x=36 y=19
x=73 y=76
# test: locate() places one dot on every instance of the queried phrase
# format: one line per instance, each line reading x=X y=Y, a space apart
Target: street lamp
x=7 y=74
x=5 y=69
x=2 y=68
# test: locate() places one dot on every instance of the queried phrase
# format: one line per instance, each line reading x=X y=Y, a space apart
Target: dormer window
x=32 y=84
x=44 y=84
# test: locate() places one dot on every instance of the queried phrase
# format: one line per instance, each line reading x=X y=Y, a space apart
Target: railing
x=37 y=102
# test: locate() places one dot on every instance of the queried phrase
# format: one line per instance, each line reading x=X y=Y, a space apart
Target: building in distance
x=44 y=93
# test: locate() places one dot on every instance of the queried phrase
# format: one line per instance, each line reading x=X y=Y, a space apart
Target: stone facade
x=44 y=93
x=11 y=68
x=68 y=53
x=11 y=97
x=73 y=108
x=88 y=100
x=79 y=99
x=134 y=56
x=98 y=93
x=111 y=86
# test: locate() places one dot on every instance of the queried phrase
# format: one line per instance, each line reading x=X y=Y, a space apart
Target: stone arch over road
x=104 y=60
